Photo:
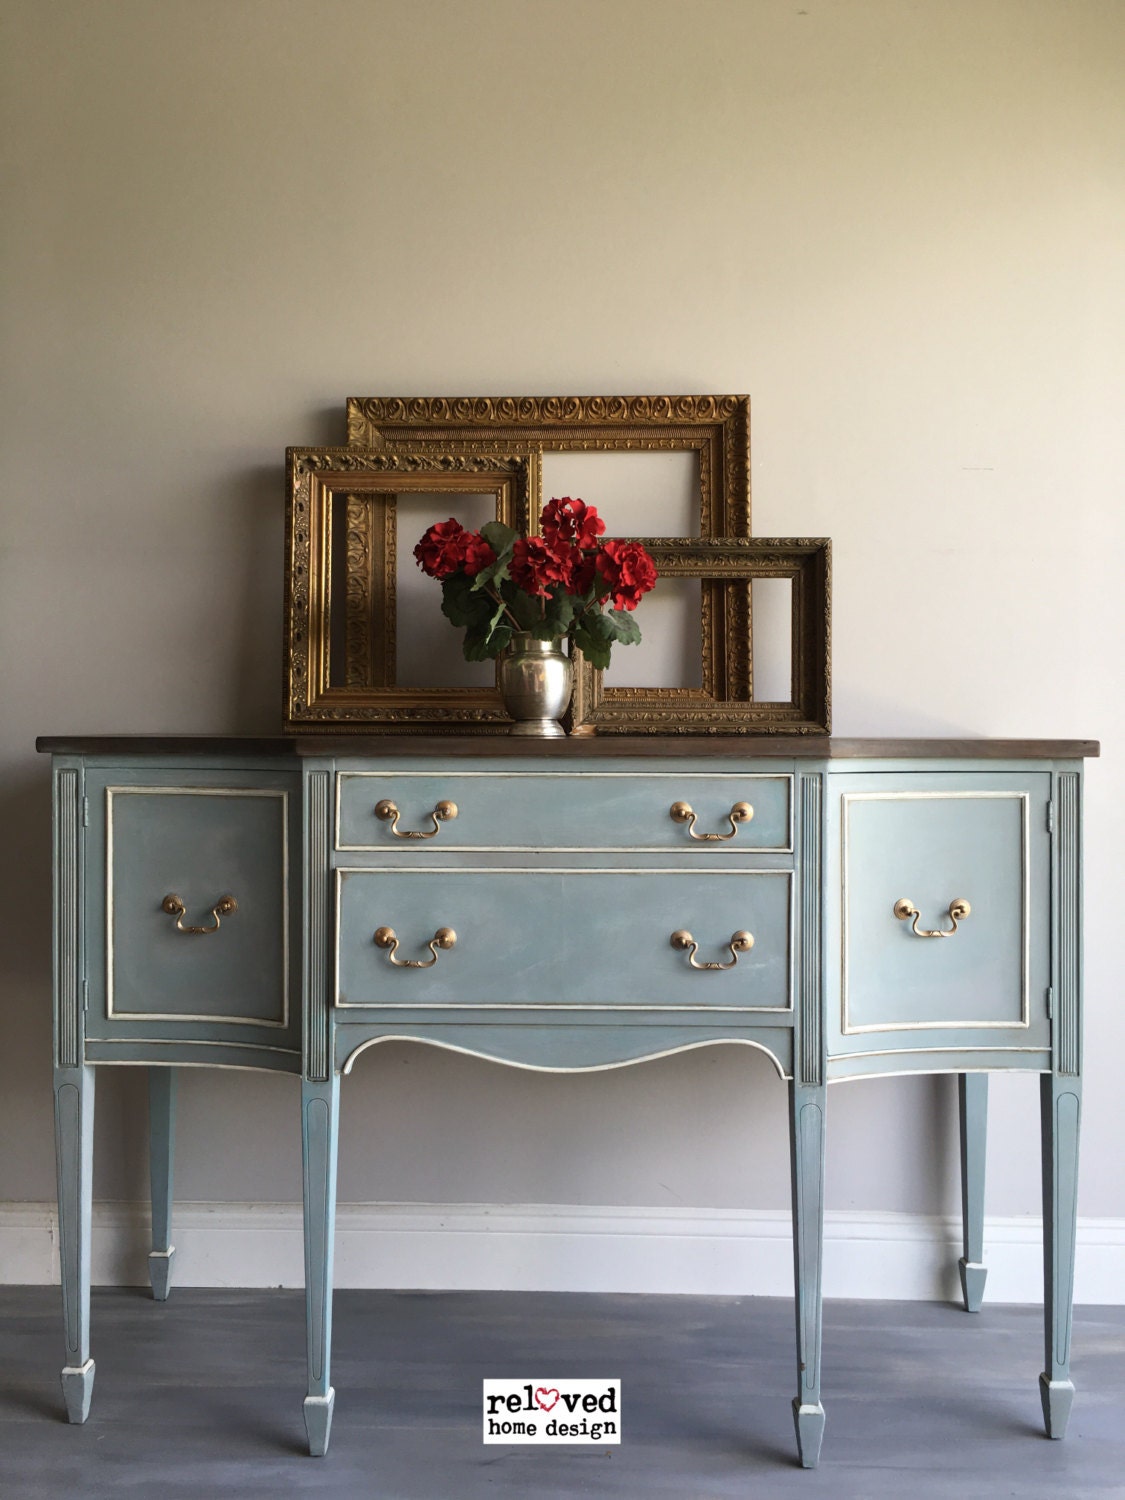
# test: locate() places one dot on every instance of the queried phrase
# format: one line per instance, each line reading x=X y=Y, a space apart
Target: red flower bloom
x=569 y=522
x=442 y=549
x=478 y=554
x=534 y=566
x=627 y=572
x=581 y=571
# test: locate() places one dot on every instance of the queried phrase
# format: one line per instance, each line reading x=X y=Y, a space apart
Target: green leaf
x=601 y=626
x=483 y=644
x=498 y=536
x=498 y=615
x=461 y=606
x=555 y=620
x=628 y=631
x=593 y=647
x=525 y=609
x=494 y=574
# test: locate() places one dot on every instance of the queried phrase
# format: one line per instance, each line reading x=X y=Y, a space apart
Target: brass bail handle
x=682 y=812
x=387 y=812
x=957 y=912
x=386 y=937
x=176 y=908
x=740 y=942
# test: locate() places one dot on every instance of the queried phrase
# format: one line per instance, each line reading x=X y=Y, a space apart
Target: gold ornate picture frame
x=727 y=568
x=340 y=596
x=716 y=428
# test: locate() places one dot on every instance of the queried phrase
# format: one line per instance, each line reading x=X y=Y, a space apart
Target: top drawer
x=514 y=810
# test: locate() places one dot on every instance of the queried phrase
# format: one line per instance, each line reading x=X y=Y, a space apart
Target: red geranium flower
x=442 y=549
x=569 y=522
x=627 y=571
x=581 y=571
x=534 y=566
x=478 y=554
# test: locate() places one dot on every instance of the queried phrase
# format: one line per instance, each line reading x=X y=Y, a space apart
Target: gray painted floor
x=201 y=1397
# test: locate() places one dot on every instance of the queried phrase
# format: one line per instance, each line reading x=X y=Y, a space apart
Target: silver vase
x=535 y=684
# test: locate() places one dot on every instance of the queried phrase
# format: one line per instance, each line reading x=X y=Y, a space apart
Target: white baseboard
x=533 y=1247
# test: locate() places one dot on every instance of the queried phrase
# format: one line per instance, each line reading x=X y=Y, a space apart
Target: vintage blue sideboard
x=849 y=907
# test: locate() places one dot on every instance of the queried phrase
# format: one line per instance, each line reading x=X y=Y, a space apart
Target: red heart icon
x=541 y=1392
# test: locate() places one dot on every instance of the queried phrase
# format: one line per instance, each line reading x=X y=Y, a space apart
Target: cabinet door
x=189 y=905
x=944 y=884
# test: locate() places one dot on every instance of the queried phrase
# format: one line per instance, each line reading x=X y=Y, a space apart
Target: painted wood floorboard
x=200 y=1397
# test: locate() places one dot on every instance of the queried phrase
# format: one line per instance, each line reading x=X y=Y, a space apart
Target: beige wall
x=898 y=225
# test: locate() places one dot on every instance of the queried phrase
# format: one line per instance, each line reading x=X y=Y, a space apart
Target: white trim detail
x=533 y=1247
x=602 y=1067
x=157 y=790
x=1024 y=1023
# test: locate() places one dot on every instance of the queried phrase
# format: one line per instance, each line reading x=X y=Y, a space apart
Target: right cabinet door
x=944 y=917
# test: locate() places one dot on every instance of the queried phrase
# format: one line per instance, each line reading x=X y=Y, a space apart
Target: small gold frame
x=340 y=609
x=717 y=428
x=725 y=704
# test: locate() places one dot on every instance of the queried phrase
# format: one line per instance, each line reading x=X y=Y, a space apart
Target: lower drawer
x=556 y=938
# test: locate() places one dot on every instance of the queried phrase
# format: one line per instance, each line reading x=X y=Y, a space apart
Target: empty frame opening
x=771 y=616
x=636 y=494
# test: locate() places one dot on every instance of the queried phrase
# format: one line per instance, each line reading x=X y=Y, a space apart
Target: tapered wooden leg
x=161 y=1151
x=320 y=1109
x=74 y=1159
x=972 y=1102
x=1060 y=1102
x=806 y=1119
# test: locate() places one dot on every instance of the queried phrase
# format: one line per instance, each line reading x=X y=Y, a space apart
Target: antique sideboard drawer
x=946 y=906
x=611 y=810
x=192 y=922
x=580 y=939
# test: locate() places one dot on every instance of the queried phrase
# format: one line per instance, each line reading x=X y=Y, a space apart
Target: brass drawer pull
x=958 y=911
x=176 y=908
x=681 y=812
x=387 y=812
x=741 y=942
x=385 y=937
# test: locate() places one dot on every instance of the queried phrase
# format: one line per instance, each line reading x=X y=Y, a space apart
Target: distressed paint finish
x=1060 y=1109
x=1022 y=941
x=532 y=809
x=1060 y=1106
x=806 y=1126
x=810 y=967
x=161 y=1154
x=972 y=1115
x=314 y=960
x=320 y=1118
x=67 y=922
x=504 y=957
x=74 y=1159
x=1069 y=897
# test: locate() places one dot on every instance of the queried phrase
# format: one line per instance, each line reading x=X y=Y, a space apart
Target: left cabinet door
x=192 y=884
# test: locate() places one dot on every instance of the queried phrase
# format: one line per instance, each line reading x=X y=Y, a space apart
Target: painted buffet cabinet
x=849 y=907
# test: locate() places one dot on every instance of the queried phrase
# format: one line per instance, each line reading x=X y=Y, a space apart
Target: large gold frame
x=725 y=704
x=363 y=587
x=717 y=428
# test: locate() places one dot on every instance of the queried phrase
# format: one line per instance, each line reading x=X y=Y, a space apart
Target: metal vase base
x=547 y=729
x=535 y=684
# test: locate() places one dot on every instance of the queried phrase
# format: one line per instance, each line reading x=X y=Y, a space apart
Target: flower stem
x=500 y=600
